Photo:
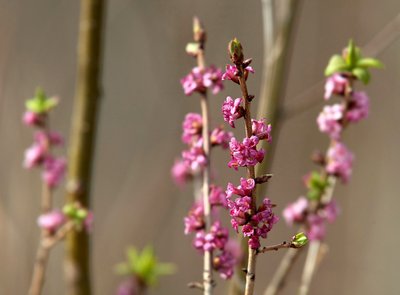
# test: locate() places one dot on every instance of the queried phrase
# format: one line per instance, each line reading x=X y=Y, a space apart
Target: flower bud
x=236 y=51
x=299 y=240
x=199 y=34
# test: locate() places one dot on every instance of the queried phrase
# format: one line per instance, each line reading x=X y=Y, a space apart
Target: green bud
x=81 y=214
x=69 y=210
x=192 y=48
x=299 y=240
x=40 y=103
x=236 y=51
x=336 y=64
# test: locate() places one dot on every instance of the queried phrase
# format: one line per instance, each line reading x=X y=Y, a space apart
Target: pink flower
x=195 y=158
x=192 y=125
x=231 y=73
x=232 y=110
x=244 y=189
x=329 y=120
x=34 y=155
x=198 y=80
x=246 y=153
x=54 y=169
x=261 y=130
x=226 y=261
x=295 y=212
x=220 y=137
x=32 y=119
x=213 y=79
x=317 y=228
x=51 y=221
x=218 y=196
x=331 y=211
x=181 y=172
x=359 y=107
x=240 y=210
x=129 y=287
x=336 y=84
x=195 y=219
x=339 y=161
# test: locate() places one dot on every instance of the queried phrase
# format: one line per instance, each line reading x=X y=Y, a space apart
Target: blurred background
x=134 y=199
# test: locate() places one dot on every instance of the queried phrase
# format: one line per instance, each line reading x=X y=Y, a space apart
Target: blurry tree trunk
x=278 y=32
x=83 y=134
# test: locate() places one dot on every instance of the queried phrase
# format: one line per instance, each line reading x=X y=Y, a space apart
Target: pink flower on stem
x=195 y=219
x=220 y=137
x=295 y=212
x=54 y=169
x=329 y=120
x=215 y=239
x=218 y=196
x=34 y=155
x=339 y=161
x=232 y=110
x=358 y=108
x=226 y=261
x=317 y=228
x=331 y=211
x=32 y=119
x=261 y=130
x=245 y=154
x=181 y=172
x=244 y=189
x=51 y=221
x=195 y=158
x=231 y=73
x=192 y=125
x=198 y=80
x=336 y=84
x=240 y=210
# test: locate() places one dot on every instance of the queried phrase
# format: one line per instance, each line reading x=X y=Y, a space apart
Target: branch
x=283 y=245
x=83 y=134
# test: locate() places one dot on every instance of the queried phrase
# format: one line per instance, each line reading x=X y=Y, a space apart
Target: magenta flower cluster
x=199 y=80
x=297 y=212
x=255 y=225
x=217 y=240
x=255 y=222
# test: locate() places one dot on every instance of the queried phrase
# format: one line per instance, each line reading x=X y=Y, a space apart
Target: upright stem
x=208 y=255
x=252 y=254
x=83 y=131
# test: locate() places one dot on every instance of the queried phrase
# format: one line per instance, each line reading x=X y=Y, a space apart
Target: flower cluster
x=318 y=207
x=255 y=222
x=39 y=154
x=297 y=212
x=198 y=80
x=217 y=239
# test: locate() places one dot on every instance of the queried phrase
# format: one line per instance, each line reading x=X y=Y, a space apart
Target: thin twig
x=199 y=36
x=82 y=139
x=283 y=245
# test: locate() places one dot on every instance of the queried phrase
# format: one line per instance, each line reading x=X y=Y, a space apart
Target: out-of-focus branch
x=83 y=133
x=311 y=96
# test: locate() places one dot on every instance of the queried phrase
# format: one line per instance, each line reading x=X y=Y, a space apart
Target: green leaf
x=299 y=240
x=40 y=103
x=353 y=54
x=336 y=64
x=369 y=63
x=362 y=74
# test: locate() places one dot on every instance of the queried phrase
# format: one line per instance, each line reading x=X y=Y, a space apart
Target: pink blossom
x=231 y=73
x=217 y=196
x=195 y=158
x=195 y=219
x=244 y=189
x=54 y=169
x=192 y=125
x=181 y=172
x=240 y=210
x=32 y=119
x=215 y=239
x=329 y=120
x=246 y=153
x=199 y=80
x=51 y=221
x=331 y=211
x=261 y=130
x=34 y=155
x=339 y=161
x=359 y=107
x=295 y=212
x=232 y=110
x=49 y=138
x=226 y=261
x=336 y=84
x=317 y=228
x=220 y=137
x=129 y=287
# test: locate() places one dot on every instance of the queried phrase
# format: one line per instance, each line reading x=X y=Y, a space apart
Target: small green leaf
x=369 y=63
x=299 y=240
x=362 y=74
x=353 y=54
x=336 y=64
x=69 y=210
